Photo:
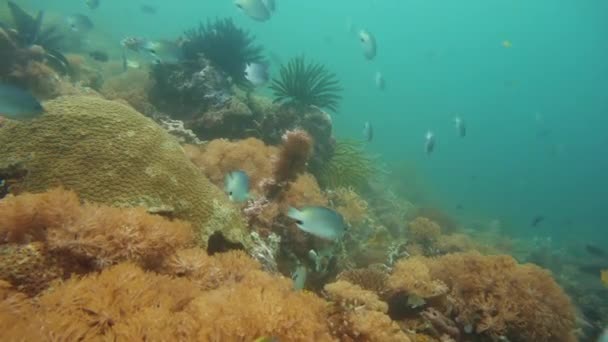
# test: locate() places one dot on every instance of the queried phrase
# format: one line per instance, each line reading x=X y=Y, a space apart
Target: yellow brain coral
x=111 y=154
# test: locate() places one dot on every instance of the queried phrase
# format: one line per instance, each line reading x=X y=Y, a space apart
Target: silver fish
x=379 y=80
x=236 y=185
x=460 y=126
x=319 y=221
x=255 y=9
x=80 y=23
x=429 y=144
x=257 y=73
x=299 y=277
x=368 y=44
x=18 y=104
x=368 y=131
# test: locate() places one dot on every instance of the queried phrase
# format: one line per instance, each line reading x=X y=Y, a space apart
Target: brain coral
x=111 y=154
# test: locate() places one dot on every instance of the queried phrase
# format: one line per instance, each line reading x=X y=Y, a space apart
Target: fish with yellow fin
x=604 y=277
x=507 y=44
x=266 y=339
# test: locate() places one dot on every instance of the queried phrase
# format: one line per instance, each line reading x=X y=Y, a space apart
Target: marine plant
x=305 y=84
x=29 y=31
x=227 y=46
x=349 y=166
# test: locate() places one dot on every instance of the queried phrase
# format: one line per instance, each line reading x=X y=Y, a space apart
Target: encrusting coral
x=111 y=154
x=350 y=205
x=371 y=279
x=51 y=235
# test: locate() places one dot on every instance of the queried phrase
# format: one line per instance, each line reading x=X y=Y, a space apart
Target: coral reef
x=108 y=153
x=491 y=296
x=51 y=235
x=291 y=161
x=423 y=231
x=448 y=224
x=228 y=47
x=348 y=166
x=124 y=302
x=413 y=277
x=186 y=90
x=350 y=205
x=304 y=84
x=220 y=156
x=132 y=87
x=371 y=279
x=359 y=315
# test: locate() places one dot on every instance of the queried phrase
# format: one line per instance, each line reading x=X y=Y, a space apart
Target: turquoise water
x=536 y=112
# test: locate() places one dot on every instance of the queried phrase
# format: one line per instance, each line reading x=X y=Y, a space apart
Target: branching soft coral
x=359 y=315
x=347 y=202
x=69 y=235
x=126 y=303
x=423 y=231
x=496 y=297
x=291 y=161
x=371 y=279
x=413 y=277
x=221 y=156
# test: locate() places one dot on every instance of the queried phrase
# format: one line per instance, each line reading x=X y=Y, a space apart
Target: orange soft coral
x=359 y=315
x=496 y=297
x=413 y=277
x=350 y=205
x=372 y=279
x=423 y=231
x=220 y=156
x=65 y=236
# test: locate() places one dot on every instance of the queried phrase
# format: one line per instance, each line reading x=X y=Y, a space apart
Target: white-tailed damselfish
x=18 y=104
x=236 y=185
x=319 y=221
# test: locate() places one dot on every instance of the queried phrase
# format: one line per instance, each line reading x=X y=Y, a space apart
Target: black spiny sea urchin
x=307 y=84
x=228 y=47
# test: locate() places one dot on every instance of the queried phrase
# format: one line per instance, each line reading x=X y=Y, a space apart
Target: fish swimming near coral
x=595 y=251
x=460 y=126
x=255 y=9
x=257 y=73
x=236 y=185
x=18 y=104
x=368 y=44
x=319 y=221
x=299 y=277
x=80 y=23
x=429 y=144
x=368 y=131
x=99 y=56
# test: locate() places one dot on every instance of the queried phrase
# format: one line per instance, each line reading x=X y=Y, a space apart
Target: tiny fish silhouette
x=537 y=220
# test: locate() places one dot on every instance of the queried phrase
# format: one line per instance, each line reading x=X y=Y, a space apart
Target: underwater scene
x=304 y=170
